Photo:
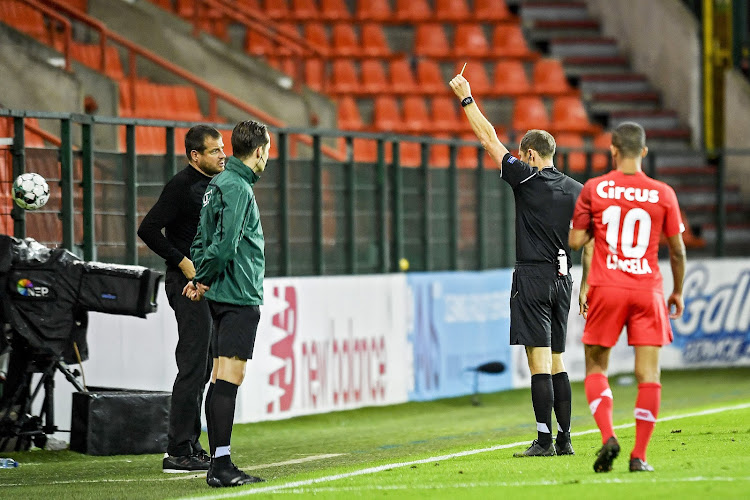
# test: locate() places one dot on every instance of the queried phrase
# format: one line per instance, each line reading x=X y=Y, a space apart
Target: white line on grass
x=381 y=468
x=302 y=460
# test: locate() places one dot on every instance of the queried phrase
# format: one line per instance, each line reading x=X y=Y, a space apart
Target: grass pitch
x=443 y=449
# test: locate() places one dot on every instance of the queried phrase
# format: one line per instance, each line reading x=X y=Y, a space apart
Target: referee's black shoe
x=537 y=450
x=197 y=462
x=607 y=455
x=638 y=465
x=564 y=448
x=220 y=476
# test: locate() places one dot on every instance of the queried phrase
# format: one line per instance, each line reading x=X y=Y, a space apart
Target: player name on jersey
x=632 y=266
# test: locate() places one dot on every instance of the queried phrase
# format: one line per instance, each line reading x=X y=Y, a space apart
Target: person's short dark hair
x=248 y=136
x=629 y=138
x=540 y=141
x=195 y=138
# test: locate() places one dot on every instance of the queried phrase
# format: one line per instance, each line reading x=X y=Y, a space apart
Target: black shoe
x=537 y=450
x=607 y=455
x=638 y=465
x=230 y=475
x=565 y=448
x=186 y=463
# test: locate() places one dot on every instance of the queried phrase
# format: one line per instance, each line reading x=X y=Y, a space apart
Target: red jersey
x=627 y=213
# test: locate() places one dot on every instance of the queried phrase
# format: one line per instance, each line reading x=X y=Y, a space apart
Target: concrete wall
x=33 y=79
x=662 y=40
x=244 y=77
x=736 y=125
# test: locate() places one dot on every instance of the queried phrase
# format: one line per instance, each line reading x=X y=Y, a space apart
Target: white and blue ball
x=30 y=191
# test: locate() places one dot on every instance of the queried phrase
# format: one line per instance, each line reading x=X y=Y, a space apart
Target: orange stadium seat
x=315 y=74
x=469 y=40
x=258 y=44
x=429 y=77
x=530 y=113
x=334 y=10
x=386 y=115
x=374 y=43
x=402 y=78
x=444 y=115
x=508 y=41
x=475 y=73
x=416 y=11
x=452 y=10
x=344 y=78
x=345 y=42
x=510 y=78
x=315 y=33
x=410 y=154
x=276 y=9
x=24 y=18
x=491 y=10
x=601 y=160
x=549 y=78
x=348 y=114
x=373 y=77
x=430 y=40
x=374 y=10
x=303 y=10
x=467 y=155
x=569 y=115
x=90 y=55
x=416 y=118
x=576 y=160
x=440 y=154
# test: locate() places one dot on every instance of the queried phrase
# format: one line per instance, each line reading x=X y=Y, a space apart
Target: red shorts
x=644 y=312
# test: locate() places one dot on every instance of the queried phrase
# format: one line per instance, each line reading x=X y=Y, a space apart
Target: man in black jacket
x=177 y=212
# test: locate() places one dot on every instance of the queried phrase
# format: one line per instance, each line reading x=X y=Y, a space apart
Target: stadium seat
x=440 y=154
x=569 y=115
x=444 y=115
x=410 y=154
x=469 y=41
x=529 y=113
x=303 y=10
x=374 y=10
x=491 y=10
x=373 y=77
x=413 y=11
x=276 y=9
x=429 y=77
x=475 y=73
x=510 y=78
x=348 y=114
x=315 y=74
x=452 y=10
x=258 y=44
x=344 y=79
x=430 y=40
x=601 y=159
x=467 y=155
x=508 y=41
x=549 y=78
x=315 y=34
x=576 y=160
x=374 y=43
x=90 y=55
x=334 y=10
x=416 y=118
x=386 y=115
x=344 y=40
x=24 y=18
x=402 y=78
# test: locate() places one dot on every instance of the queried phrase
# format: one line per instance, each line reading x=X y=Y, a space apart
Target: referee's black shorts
x=234 y=330
x=539 y=306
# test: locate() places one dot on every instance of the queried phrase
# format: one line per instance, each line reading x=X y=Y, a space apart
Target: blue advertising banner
x=460 y=321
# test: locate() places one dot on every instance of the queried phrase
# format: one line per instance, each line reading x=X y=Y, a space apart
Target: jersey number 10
x=634 y=245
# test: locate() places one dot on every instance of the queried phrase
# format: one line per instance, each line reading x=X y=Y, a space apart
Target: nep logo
x=26 y=288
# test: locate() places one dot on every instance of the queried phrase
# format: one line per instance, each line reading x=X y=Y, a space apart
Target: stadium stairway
x=613 y=93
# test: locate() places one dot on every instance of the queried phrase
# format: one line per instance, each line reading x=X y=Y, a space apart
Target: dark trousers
x=194 y=364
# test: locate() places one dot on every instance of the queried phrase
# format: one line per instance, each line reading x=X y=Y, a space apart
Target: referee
x=541 y=289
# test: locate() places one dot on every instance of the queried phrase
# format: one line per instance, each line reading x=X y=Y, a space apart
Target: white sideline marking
x=381 y=468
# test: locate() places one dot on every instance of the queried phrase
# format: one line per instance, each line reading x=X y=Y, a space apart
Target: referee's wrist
x=466 y=101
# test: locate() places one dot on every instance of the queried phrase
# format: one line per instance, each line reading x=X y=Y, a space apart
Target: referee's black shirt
x=177 y=211
x=545 y=200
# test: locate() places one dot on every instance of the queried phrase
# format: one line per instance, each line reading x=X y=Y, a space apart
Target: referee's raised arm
x=482 y=128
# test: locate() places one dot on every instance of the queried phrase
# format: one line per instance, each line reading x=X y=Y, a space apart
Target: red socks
x=599 y=396
x=646 y=411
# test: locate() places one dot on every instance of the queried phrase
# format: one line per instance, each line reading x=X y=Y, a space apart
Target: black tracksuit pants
x=194 y=363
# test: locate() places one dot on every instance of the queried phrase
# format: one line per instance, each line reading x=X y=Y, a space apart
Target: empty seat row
x=157 y=101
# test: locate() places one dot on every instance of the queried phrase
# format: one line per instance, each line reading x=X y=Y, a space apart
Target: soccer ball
x=30 y=191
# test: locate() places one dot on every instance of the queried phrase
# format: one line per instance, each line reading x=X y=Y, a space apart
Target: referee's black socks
x=209 y=393
x=222 y=404
x=542 y=396
x=561 y=386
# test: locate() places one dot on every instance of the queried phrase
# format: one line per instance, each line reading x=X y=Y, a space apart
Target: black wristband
x=466 y=101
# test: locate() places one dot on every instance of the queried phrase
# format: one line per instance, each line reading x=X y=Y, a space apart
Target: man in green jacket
x=228 y=252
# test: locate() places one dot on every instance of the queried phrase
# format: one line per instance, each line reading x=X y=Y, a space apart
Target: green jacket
x=228 y=249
